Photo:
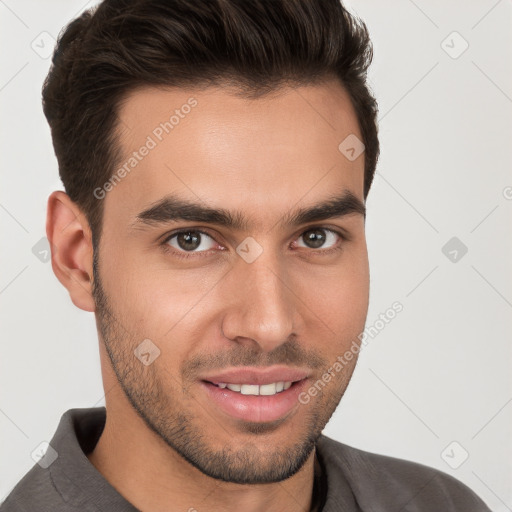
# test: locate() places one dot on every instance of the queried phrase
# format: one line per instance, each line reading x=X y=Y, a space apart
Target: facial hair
x=170 y=413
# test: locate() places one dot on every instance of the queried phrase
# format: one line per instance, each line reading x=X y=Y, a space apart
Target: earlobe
x=70 y=240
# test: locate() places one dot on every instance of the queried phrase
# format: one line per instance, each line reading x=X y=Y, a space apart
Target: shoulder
x=34 y=491
x=393 y=483
x=55 y=486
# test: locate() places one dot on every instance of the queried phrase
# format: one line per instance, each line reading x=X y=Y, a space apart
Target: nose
x=262 y=306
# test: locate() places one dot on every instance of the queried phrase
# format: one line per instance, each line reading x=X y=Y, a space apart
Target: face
x=232 y=271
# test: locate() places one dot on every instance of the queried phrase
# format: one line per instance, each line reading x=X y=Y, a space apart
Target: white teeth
x=254 y=389
x=268 y=389
x=250 y=389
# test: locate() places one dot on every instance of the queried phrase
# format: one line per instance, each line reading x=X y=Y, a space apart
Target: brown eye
x=316 y=238
x=190 y=241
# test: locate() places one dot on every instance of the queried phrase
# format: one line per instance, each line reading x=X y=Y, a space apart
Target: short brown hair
x=255 y=45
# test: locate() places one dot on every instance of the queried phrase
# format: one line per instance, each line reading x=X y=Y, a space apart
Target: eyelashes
x=184 y=254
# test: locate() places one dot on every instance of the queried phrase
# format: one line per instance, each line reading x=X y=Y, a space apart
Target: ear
x=70 y=240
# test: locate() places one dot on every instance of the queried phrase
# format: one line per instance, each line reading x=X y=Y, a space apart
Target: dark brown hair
x=255 y=45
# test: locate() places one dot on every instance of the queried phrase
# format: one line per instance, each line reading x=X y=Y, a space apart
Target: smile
x=254 y=389
x=255 y=394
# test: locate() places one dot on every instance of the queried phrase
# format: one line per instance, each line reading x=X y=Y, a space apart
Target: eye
x=319 y=238
x=190 y=241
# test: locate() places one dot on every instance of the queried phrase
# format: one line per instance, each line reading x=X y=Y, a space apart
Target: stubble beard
x=185 y=432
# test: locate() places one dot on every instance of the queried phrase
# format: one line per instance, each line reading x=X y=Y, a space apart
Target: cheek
x=354 y=301
x=165 y=305
x=343 y=309
x=340 y=295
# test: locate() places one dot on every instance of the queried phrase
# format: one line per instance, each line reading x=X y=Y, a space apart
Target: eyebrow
x=172 y=208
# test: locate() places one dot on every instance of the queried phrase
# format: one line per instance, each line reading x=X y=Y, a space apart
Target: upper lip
x=259 y=376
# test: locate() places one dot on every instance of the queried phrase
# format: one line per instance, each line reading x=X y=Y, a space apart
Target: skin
x=293 y=305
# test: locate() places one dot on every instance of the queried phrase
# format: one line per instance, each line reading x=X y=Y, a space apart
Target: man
x=217 y=157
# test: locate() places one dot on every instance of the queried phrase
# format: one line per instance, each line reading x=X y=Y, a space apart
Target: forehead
x=260 y=155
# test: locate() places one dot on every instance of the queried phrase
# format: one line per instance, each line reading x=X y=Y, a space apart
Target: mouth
x=254 y=395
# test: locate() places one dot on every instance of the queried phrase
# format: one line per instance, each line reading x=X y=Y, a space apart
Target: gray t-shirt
x=351 y=480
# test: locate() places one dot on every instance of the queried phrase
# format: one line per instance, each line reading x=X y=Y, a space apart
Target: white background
x=440 y=371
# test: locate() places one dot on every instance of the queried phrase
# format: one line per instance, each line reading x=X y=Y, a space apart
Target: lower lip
x=255 y=408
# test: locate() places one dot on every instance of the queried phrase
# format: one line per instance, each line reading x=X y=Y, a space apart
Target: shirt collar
x=81 y=485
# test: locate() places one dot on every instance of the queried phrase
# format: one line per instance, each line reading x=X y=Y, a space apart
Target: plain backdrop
x=434 y=385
